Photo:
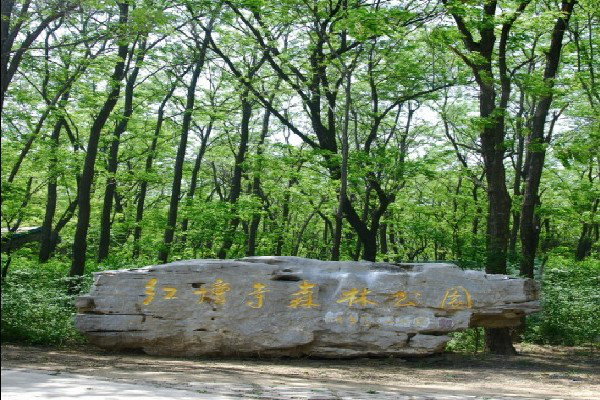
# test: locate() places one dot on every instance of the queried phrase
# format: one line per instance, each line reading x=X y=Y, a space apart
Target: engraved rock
x=291 y=306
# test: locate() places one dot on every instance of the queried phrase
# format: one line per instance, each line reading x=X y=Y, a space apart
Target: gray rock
x=291 y=306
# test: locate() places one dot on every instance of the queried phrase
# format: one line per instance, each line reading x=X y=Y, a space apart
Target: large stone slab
x=291 y=306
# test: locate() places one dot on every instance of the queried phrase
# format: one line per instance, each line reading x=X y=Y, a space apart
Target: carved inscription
x=453 y=298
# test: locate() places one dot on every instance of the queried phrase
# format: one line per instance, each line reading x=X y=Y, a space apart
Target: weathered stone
x=290 y=306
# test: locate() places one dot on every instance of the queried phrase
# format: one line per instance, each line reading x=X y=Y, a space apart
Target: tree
x=149 y=160
x=16 y=22
x=536 y=152
x=199 y=59
x=87 y=174
x=111 y=183
x=480 y=58
x=318 y=82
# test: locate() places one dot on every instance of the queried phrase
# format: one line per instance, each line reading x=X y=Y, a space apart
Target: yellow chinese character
x=304 y=296
x=352 y=296
x=216 y=294
x=403 y=298
x=456 y=298
x=149 y=292
x=218 y=289
x=169 y=292
x=259 y=295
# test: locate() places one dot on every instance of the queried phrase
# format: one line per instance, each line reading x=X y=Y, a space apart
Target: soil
x=537 y=372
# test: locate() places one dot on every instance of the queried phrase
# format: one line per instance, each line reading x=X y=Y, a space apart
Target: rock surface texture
x=290 y=306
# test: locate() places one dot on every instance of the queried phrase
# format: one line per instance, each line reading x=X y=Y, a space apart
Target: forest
x=139 y=132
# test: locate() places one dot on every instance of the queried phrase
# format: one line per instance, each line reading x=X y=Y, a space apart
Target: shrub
x=36 y=308
x=36 y=305
x=570 y=304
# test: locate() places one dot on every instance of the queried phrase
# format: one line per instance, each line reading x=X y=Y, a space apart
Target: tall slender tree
x=113 y=161
x=480 y=41
x=87 y=175
x=150 y=156
x=536 y=151
x=199 y=59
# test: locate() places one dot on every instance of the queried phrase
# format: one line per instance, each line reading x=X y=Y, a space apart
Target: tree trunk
x=324 y=249
x=337 y=233
x=370 y=247
x=137 y=233
x=343 y=195
x=236 y=184
x=498 y=224
x=493 y=149
x=383 y=241
x=256 y=184
x=113 y=158
x=364 y=220
x=46 y=239
x=194 y=179
x=478 y=210
x=584 y=244
x=51 y=199
x=393 y=243
x=62 y=222
x=498 y=341
x=87 y=175
x=536 y=151
x=285 y=215
x=589 y=234
x=498 y=218
x=296 y=247
x=163 y=253
x=516 y=215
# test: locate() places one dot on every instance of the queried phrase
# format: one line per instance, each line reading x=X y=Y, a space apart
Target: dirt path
x=538 y=372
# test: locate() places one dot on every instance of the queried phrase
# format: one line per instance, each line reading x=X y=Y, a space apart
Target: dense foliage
x=143 y=131
x=570 y=305
x=36 y=308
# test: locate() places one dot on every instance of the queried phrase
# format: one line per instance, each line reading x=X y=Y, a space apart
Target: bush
x=570 y=315
x=36 y=308
x=570 y=304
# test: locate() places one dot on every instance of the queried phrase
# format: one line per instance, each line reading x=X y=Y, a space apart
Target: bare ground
x=537 y=372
